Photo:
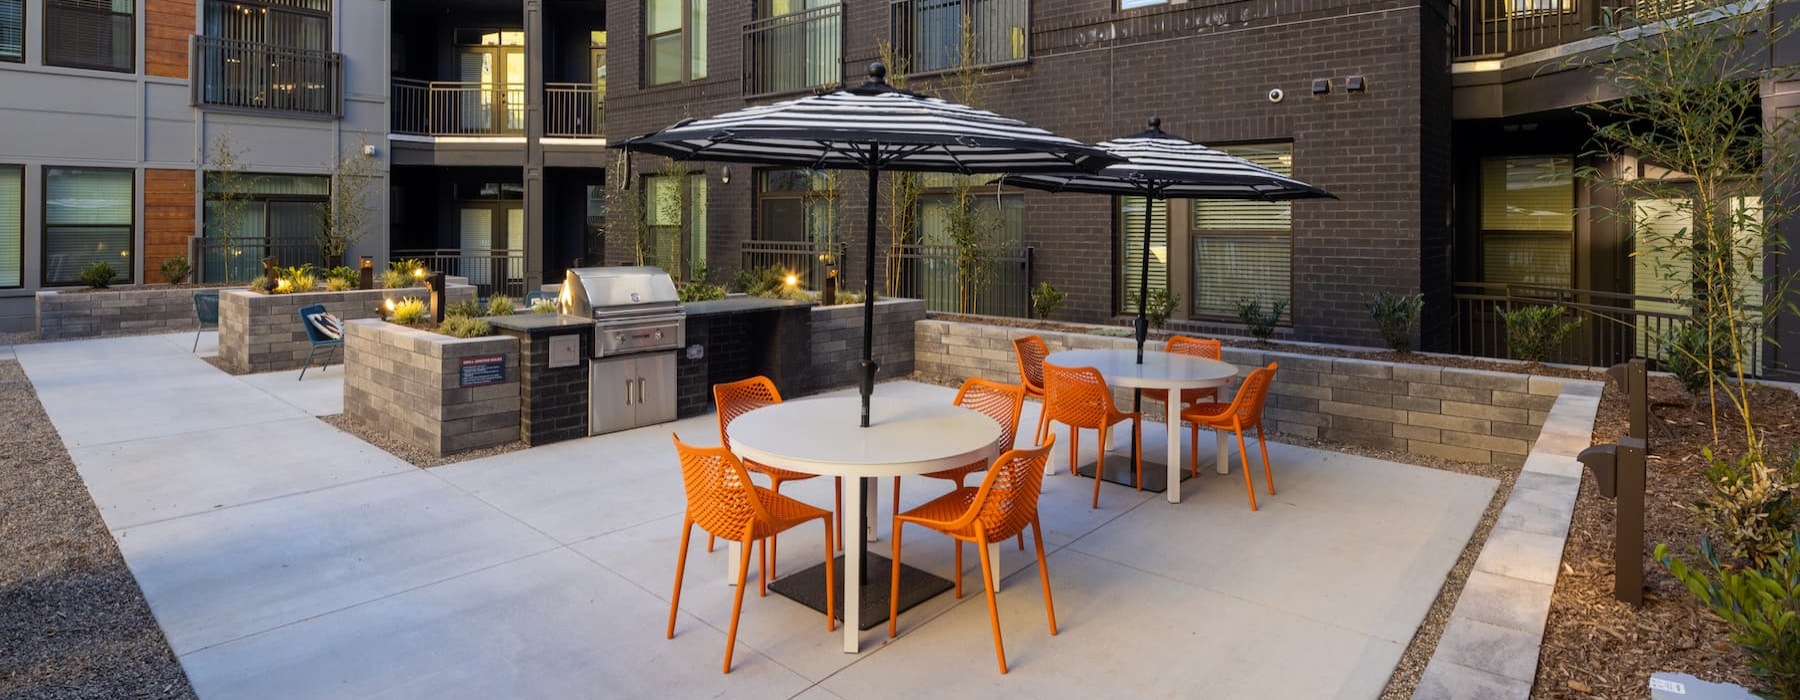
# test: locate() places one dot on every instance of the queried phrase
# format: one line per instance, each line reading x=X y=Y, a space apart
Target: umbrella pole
x=1141 y=327
x=868 y=358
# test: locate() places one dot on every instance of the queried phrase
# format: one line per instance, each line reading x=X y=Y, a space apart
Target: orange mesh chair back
x=1031 y=351
x=1002 y=507
x=1244 y=412
x=722 y=500
x=1079 y=398
x=1205 y=348
x=1001 y=402
x=743 y=396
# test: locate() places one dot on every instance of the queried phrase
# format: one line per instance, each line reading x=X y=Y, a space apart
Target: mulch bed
x=73 y=623
x=1412 y=358
x=1597 y=647
x=413 y=454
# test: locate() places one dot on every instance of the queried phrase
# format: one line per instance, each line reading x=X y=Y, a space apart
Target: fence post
x=1030 y=277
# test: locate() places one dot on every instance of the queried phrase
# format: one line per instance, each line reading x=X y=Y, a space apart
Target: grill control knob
x=619 y=338
x=659 y=335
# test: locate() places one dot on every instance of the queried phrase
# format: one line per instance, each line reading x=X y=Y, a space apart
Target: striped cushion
x=327 y=324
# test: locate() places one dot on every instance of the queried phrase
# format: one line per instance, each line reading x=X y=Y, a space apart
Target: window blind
x=12 y=30
x=253 y=184
x=1131 y=245
x=1528 y=194
x=90 y=34
x=87 y=219
x=696 y=36
x=1244 y=249
x=12 y=225
x=1537 y=259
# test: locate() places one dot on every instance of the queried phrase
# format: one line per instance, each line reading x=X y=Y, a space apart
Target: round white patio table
x=905 y=437
x=1160 y=370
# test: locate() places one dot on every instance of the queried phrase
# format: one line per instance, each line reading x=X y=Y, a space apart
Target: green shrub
x=465 y=309
x=345 y=273
x=409 y=312
x=396 y=279
x=410 y=266
x=339 y=284
x=99 y=275
x=543 y=306
x=1534 y=331
x=1749 y=506
x=1262 y=326
x=176 y=270
x=501 y=305
x=701 y=291
x=1762 y=607
x=766 y=281
x=1397 y=317
x=1046 y=299
x=465 y=327
x=296 y=279
x=260 y=284
x=1157 y=306
x=1684 y=354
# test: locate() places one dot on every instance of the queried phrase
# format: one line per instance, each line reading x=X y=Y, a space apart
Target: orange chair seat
x=1187 y=395
x=1207 y=413
x=786 y=512
x=776 y=473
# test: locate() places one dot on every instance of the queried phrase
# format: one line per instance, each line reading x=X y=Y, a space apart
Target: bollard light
x=1620 y=472
x=367 y=280
x=435 y=283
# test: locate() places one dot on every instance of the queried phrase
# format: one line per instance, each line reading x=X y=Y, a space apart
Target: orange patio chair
x=738 y=398
x=1031 y=352
x=1197 y=347
x=1001 y=508
x=1079 y=398
x=723 y=501
x=1244 y=411
x=1001 y=402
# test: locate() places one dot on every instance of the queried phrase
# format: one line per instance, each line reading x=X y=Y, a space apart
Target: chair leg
x=774 y=540
x=1244 y=456
x=709 y=543
x=1263 y=447
x=987 y=577
x=830 y=580
x=1037 y=536
x=837 y=512
x=894 y=589
x=896 y=497
x=687 y=530
x=1098 y=463
x=737 y=605
x=959 y=567
x=197 y=340
x=1193 y=450
x=1021 y=539
x=1075 y=448
x=1043 y=423
x=762 y=568
x=307 y=366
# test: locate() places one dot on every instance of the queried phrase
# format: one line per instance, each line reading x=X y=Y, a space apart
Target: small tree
x=626 y=215
x=903 y=188
x=228 y=188
x=347 y=215
x=974 y=229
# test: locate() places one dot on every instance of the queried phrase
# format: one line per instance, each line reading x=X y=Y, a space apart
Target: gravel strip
x=73 y=623
x=413 y=454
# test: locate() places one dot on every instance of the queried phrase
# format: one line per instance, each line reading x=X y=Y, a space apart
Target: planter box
x=1447 y=412
x=411 y=385
x=262 y=332
x=837 y=333
x=63 y=314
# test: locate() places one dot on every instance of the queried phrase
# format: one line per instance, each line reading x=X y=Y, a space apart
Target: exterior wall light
x=1321 y=86
x=725 y=175
x=1356 y=84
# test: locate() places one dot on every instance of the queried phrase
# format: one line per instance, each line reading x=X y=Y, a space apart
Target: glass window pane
x=12 y=30
x=1528 y=194
x=89 y=34
x=783 y=219
x=664 y=59
x=69 y=249
x=1540 y=259
x=1231 y=268
x=75 y=196
x=12 y=212
x=697 y=40
x=662 y=16
x=1131 y=237
x=696 y=241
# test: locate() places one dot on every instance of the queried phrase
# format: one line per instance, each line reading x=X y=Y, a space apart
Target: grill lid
x=601 y=292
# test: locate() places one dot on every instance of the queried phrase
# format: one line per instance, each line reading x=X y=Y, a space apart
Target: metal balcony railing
x=795 y=52
x=928 y=34
x=439 y=108
x=573 y=110
x=1495 y=28
x=251 y=75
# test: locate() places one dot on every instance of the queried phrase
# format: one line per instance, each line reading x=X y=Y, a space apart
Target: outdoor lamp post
x=368 y=272
x=435 y=283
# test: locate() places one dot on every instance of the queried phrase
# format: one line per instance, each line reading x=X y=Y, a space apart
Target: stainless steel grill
x=635 y=309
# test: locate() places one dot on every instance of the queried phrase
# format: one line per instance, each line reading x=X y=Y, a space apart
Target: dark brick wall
x=1206 y=68
x=553 y=402
x=740 y=345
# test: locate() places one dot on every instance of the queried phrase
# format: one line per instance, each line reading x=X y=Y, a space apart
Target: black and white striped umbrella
x=1158 y=165
x=872 y=127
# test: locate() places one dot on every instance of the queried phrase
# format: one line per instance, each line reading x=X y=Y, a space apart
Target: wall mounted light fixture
x=725 y=175
x=1355 y=83
x=1321 y=86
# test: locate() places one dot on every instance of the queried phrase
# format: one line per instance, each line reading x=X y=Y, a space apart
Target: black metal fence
x=1000 y=286
x=928 y=34
x=1504 y=27
x=573 y=110
x=806 y=260
x=794 y=52
x=445 y=108
x=491 y=271
x=251 y=75
x=1614 y=327
x=239 y=258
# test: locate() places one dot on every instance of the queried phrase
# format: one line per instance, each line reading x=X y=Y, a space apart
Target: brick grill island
x=409 y=384
x=262 y=332
x=553 y=401
x=1453 y=413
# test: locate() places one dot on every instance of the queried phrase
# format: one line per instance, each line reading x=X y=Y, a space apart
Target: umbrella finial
x=1155 y=123
x=877 y=72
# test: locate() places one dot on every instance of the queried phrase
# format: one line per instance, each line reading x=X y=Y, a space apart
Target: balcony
x=573 y=110
x=1498 y=28
x=795 y=52
x=442 y=108
x=929 y=34
x=248 y=75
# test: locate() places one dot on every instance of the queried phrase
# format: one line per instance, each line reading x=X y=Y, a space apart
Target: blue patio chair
x=319 y=338
x=206 y=310
x=532 y=298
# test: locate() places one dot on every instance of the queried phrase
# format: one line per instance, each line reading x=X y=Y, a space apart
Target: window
x=96 y=34
x=793 y=46
x=12 y=225
x=295 y=24
x=930 y=33
x=12 y=30
x=268 y=54
x=595 y=252
x=1528 y=220
x=676 y=213
x=88 y=218
x=1131 y=244
x=1130 y=4
x=674 y=41
x=1244 y=249
x=1661 y=224
x=261 y=214
x=795 y=205
x=996 y=220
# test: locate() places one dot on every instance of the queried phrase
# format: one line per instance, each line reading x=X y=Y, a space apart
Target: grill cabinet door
x=612 y=399
x=656 y=403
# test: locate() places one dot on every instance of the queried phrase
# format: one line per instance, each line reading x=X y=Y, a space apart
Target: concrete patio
x=285 y=558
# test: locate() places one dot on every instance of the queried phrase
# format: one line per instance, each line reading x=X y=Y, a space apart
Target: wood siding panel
x=168 y=217
x=167 y=26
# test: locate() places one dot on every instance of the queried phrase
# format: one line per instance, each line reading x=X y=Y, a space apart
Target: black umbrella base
x=1119 y=470
x=916 y=586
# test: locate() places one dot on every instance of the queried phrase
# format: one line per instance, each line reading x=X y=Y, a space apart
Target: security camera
x=1275 y=94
